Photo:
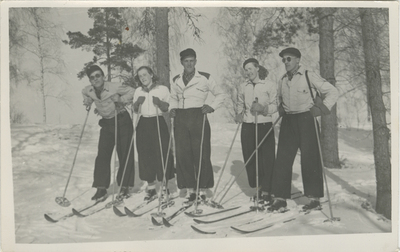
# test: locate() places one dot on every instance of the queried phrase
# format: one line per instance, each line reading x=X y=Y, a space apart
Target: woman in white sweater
x=149 y=101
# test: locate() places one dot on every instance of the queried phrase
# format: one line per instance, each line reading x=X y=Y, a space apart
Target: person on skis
x=257 y=97
x=110 y=98
x=189 y=91
x=297 y=130
x=149 y=101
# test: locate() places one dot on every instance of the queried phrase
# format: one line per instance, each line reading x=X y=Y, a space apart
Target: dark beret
x=93 y=68
x=292 y=51
x=187 y=53
x=250 y=60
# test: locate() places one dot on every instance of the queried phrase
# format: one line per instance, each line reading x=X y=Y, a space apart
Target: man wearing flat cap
x=110 y=98
x=189 y=92
x=299 y=94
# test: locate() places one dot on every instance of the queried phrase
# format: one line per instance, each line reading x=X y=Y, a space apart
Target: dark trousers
x=297 y=131
x=102 y=171
x=188 y=129
x=148 y=147
x=266 y=154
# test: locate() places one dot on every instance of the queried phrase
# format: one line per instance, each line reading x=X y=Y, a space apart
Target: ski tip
x=166 y=223
x=201 y=231
x=129 y=212
x=238 y=230
x=155 y=222
x=77 y=213
x=190 y=214
x=48 y=218
x=118 y=212
x=198 y=221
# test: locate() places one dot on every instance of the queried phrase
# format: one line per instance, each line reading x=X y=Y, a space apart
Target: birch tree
x=41 y=61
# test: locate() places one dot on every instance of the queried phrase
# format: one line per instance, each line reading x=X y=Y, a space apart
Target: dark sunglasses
x=288 y=59
x=95 y=76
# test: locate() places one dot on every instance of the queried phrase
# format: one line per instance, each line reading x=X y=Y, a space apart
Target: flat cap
x=92 y=69
x=253 y=60
x=187 y=53
x=292 y=51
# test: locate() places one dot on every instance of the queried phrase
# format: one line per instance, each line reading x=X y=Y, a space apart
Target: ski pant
x=188 y=125
x=102 y=170
x=266 y=154
x=148 y=148
x=298 y=131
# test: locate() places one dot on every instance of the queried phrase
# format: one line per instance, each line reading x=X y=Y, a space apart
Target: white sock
x=151 y=186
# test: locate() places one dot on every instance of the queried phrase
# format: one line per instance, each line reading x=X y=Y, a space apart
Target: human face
x=189 y=64
x=97 y=79
x=145 y=77
x=251 y=71
x=291 y=62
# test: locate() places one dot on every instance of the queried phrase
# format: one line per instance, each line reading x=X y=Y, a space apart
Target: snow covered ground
x=42 y=158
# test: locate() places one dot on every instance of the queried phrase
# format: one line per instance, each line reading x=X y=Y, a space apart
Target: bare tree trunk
x=40 y=54
x=378 y=113
x=162 y=45
x=108 y=45
x=329 y=130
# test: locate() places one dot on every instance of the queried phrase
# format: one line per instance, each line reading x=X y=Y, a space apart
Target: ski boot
x=192 y=198
x=150 y=194
x=313 y=205
x=278 y=206
x=124 y=194
x=165 y=196
x=100 y=195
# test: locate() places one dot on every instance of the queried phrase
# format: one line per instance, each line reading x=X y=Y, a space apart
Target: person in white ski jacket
x=297 y=130
x=150 y=100
x=189 y=91
x=257 y=95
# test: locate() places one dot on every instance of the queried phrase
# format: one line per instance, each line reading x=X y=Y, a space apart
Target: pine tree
x=104 y=40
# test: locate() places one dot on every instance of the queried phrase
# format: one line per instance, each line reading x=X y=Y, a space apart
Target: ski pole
x=62 y=201
x=162 y=163
x=226 y=160
x=323 y=172
x=201 y=157
x=129 y=154
x=248 y=160
x=114 y=157
x=256 y=130
x=164 y=182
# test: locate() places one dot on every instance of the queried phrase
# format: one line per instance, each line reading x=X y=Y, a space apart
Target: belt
x=296 y=113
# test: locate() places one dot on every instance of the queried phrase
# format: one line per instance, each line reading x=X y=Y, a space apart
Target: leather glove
x=239 y=118
x=172 y=113
x=116 y=98
x=206 y=109
x=161 y=104
x=320 y=104
x=315 y=111
x=141 y=99
x=138 y=102
x=281 y=110
x=87 y=101
x=256 y=107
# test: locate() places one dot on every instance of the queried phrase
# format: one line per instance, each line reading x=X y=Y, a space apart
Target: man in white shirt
x=298 y=110
x=109 y=97
x=189 y=92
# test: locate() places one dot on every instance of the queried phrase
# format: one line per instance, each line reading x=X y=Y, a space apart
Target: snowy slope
x=42 y=158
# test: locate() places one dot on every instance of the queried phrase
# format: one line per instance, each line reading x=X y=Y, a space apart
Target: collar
x=192 y=74
x=300 y=71
x=106 y=86
x=152 y=86
x=259 y=81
